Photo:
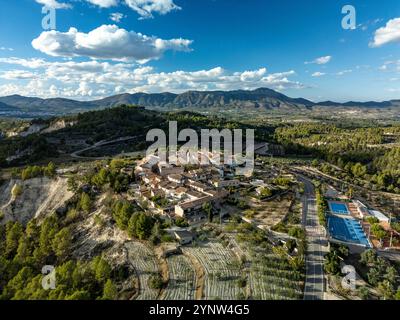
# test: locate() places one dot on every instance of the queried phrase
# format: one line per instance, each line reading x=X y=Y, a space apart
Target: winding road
x=102 y=143
x=317 y=245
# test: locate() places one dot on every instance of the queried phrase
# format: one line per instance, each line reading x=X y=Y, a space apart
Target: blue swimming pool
x=347 y=230
x=339 y=208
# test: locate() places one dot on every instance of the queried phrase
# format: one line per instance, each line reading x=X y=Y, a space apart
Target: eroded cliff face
x=39 y=197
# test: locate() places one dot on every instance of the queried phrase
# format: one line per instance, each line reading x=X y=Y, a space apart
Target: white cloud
x=94 y=79
x=32 y=63
x=54 y=4
x=6 y=49
x=104 y=3
x=320 y=60
x=318 y=74
x=107 y=42
x=17 y=75
x=146 y=8
x=116 y=16
x=390 y=65
x=387 y=34
x=342 y=73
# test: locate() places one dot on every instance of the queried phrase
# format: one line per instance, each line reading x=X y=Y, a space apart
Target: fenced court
x=347 y=230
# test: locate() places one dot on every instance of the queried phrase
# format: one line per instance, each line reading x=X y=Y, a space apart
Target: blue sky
x=106 y=47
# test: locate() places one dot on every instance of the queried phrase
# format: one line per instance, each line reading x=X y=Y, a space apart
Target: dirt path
x=163 y=265
x=199 y=276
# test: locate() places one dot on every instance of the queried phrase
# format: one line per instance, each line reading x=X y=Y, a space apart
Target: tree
x=207 y=207
x=122 y=212
x=50 y=170
x=155 y=282
x=368 y=257
x=101 y=269
x=85 y=203
x=144 y=224
x=397 y=296
x=181 y=222
x=386 y=289
x=24 y=249
x=265 y=193
x=109 y=291
x=19 y=282
x=48 y=230
x=363 y=292
x=101 y=178
x=350 y=192
x=79 y=295
x=14 y=232
x=61 y=243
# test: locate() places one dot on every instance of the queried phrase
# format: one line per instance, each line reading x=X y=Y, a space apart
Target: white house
x=379 y=215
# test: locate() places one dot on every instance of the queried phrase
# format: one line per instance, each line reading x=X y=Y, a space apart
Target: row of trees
x=31 y=172
x=322 y=206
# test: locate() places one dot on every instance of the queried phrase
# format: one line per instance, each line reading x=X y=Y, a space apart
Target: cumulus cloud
x=108 y=42
x=146 y=8
x=116 y=16
x=104 y=3
x=54 y=4
x=95 y=79
x=387 y=34
x=320 y=60
x=17 y=75
x=318 y=74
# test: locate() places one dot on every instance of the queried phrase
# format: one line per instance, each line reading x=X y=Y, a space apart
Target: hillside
x=259 y=99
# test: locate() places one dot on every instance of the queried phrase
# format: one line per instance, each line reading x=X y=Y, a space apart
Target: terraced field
x=221 y=270
x=269 y=279
x=145 y=263
x=182 y=279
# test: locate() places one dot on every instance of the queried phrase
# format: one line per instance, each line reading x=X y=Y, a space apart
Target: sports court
x=347 y=230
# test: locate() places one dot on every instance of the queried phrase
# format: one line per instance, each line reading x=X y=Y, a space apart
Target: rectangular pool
x=338 y=208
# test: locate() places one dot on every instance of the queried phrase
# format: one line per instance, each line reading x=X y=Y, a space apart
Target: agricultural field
x=269 y=275
x=221 y=270
x=267 y=214
x=270 y=278
x=182 y=279
x=146 y=265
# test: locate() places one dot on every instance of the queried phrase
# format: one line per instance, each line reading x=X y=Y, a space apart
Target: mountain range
x=262 y=98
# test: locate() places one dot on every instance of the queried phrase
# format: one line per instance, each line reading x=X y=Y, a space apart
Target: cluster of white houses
x=171 y=190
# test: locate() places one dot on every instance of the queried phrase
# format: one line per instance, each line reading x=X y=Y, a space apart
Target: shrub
x=16 y=191
x=156 y=282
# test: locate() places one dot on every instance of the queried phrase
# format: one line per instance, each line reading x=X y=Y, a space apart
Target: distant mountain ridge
x=262 y=98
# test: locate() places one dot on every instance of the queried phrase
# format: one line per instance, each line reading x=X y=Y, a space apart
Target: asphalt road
x=317 y=242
